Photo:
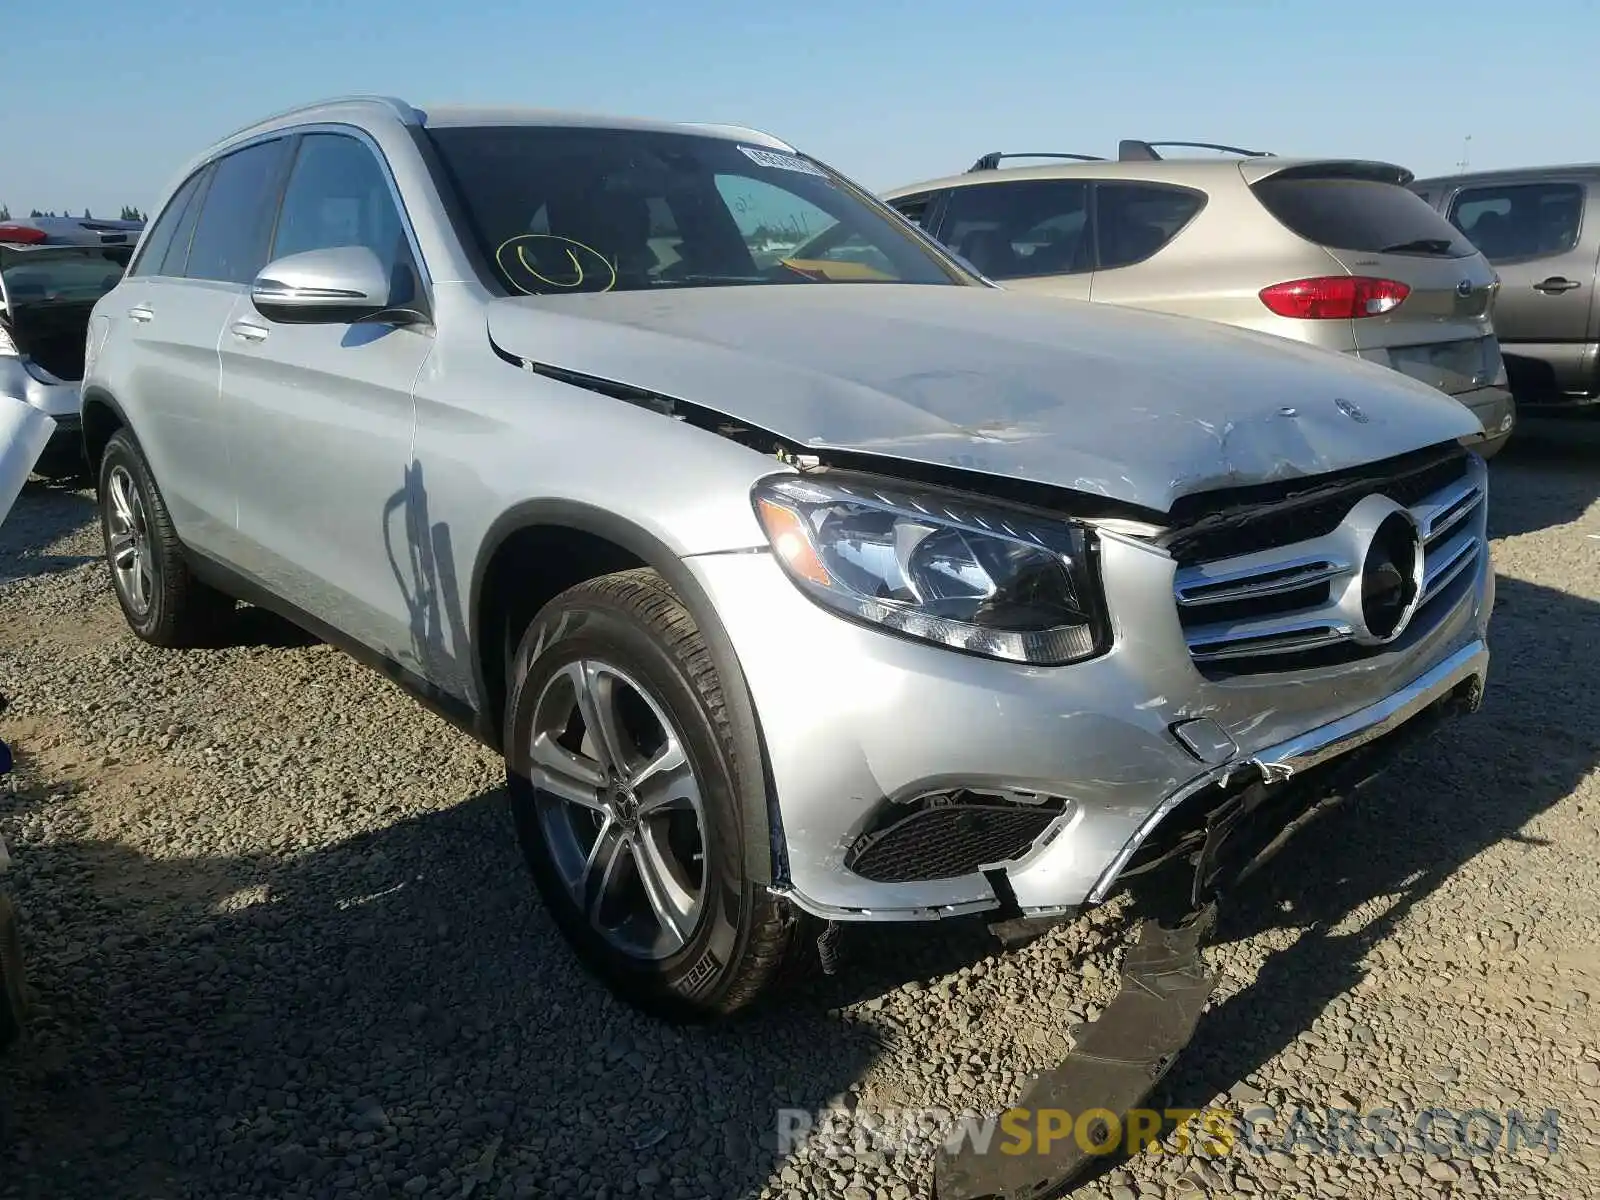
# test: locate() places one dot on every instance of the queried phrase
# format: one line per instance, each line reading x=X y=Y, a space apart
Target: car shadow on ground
x=53 y=511
x=1547 y=475
x=421 y=947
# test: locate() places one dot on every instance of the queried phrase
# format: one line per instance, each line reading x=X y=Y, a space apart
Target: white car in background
x=52 y=270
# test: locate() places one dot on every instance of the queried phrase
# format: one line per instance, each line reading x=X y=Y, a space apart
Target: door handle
x=1555 y=285
x=246 y=331
x=141 y=313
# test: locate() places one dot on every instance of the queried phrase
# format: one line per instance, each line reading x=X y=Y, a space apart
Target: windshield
x=560 y=210
x=62 y=276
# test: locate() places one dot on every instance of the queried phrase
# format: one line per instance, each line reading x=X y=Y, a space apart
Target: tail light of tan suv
x=1335 y=297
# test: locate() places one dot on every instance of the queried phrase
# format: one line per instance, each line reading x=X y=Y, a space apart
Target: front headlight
x=983 y=579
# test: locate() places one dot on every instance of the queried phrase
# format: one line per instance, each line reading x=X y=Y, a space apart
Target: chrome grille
x=1259 y=610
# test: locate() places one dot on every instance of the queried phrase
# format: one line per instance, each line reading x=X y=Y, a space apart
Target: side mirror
x=338 y=285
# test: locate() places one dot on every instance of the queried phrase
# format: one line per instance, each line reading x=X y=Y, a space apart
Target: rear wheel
x=623 y=777
x=162 y=600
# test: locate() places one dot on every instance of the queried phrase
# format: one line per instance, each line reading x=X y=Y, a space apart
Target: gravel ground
x=281 y=942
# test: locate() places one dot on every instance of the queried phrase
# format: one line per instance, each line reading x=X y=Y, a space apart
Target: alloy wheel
x=620 y=808
x=128 y=541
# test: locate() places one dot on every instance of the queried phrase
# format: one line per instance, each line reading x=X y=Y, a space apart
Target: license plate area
x=1452 y=367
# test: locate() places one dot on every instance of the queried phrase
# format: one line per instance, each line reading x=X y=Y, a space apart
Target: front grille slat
x=1437 y=515
x=1277 y=640
x=1254 y=611
x=1446 y=562
x=1195 y=587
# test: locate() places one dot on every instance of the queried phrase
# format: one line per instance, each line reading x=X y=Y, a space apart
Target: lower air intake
x=947 y=836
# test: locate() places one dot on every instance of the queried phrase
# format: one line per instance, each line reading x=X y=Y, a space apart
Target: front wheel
x=623 y=777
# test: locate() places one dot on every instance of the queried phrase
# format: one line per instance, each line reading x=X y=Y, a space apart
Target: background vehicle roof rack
x=990 y=162
x=1133 y=150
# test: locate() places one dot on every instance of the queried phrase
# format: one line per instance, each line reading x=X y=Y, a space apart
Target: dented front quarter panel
x=1134 y=406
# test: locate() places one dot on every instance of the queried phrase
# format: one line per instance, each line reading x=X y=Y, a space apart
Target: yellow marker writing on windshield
x=521 y=241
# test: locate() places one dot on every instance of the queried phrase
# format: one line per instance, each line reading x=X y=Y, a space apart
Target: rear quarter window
x=1136 y=220
x=1365 y=215
x=160 y=237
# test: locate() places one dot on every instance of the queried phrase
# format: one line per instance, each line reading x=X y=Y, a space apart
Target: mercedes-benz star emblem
x=1350 y=409
x=1391 y=577
x=1464 y=288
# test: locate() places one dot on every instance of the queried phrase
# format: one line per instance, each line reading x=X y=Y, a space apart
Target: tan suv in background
x=1334 y=252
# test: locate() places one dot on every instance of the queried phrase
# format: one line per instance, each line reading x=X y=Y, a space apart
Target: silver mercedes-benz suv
x=789 y=600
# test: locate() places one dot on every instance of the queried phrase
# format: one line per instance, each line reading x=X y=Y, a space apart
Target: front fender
x=764 y=862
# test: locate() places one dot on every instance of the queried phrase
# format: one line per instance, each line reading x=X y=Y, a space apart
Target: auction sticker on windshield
x=783 y=162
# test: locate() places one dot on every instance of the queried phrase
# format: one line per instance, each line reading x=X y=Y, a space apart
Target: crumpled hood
x=1132 y=405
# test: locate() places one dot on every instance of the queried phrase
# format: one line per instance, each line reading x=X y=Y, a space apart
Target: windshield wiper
x=1423 y=245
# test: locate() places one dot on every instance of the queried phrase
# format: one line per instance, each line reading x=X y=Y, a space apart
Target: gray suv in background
x=788 y=601
x=1332 y=252
x=1540 y=229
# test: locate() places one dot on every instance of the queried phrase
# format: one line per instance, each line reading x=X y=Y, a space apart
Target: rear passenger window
x=1134 y=220
x=1015 y=230
x=1520 y=220
x=230 y=241
x=1369 y=216
x=161 y=233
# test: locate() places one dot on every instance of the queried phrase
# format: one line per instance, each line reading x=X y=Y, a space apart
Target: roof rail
x=1134 y=150
x=406 y=113
x=991 y=162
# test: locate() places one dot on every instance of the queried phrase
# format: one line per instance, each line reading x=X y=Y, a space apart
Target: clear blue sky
x=105 y=102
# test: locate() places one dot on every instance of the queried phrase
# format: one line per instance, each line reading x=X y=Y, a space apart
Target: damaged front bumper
x=1212 y=840
x=1050 y=780
x=1239 y=789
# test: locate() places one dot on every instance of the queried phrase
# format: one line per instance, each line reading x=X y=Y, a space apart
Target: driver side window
x=338 y=195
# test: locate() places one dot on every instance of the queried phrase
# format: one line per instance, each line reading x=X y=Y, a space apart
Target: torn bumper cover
x=1119 y=1060
x=1213 y=840
x=1214 y=818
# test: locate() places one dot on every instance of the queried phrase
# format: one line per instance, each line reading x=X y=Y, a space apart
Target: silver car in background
x=52 y=270
x=789 y=601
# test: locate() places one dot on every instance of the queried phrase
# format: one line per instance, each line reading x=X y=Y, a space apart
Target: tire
x=627 y=643
x=163 y=602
